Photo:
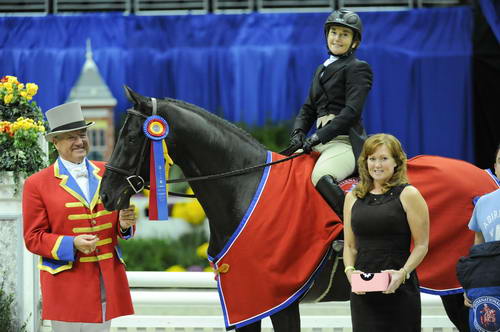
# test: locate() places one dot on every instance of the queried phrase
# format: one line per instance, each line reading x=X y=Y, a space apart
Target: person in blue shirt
x=485 y=221
x=454 y=303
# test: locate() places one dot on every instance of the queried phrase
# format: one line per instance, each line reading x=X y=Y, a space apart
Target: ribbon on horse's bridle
x=138 y=184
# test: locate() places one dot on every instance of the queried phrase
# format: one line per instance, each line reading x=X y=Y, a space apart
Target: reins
x=226 y=174
x=132 y=177
x=235 y=172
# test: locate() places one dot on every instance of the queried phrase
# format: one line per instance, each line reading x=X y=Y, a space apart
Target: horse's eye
x=131 y=139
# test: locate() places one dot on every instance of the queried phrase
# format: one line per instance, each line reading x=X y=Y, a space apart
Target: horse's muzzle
x=106 y=202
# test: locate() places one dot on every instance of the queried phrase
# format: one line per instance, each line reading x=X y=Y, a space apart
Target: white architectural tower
x=97 y=105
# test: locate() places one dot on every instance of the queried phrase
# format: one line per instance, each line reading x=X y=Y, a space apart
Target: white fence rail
x=188 y=302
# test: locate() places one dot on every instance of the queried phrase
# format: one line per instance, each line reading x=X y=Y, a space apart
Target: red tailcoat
x=54 y=212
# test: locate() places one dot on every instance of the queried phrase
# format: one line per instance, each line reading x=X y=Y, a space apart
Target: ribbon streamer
x=156 y=129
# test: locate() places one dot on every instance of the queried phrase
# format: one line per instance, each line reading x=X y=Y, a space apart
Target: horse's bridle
x=133 y=178
x=138 y=184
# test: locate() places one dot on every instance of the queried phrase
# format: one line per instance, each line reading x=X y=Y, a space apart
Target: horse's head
x=127 y=172
x=201 y=144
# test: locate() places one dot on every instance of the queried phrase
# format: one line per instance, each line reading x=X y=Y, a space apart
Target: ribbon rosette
x=156 y=129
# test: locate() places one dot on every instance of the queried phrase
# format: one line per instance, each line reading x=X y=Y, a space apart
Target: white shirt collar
x=80 y=173
x=70 y=166
x=330 y=60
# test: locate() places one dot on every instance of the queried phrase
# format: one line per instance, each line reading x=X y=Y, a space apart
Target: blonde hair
x=365 y=184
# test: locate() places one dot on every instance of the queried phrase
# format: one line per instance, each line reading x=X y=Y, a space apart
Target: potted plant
x=21 y=127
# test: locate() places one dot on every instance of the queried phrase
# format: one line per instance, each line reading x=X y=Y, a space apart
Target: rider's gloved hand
x=296 y=142
x=310 y=142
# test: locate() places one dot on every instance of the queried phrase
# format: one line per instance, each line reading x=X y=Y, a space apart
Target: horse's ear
x=132 y=95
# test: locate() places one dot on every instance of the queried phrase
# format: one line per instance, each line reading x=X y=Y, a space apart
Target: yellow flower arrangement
x=12 y=91
x=21 y=125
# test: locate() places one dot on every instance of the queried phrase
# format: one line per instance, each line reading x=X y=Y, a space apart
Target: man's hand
x=127 y=217
x=85 y=243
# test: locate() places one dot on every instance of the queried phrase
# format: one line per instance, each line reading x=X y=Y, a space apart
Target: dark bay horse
x=202 y=144
x=199 y=143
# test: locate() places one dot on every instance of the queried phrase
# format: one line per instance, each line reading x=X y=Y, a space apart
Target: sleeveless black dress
x=383 y=241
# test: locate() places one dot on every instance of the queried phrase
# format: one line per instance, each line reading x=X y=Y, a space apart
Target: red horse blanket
x=449 y=187
x=272 y=257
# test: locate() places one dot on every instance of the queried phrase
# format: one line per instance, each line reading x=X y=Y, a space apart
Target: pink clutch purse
x=370 y=282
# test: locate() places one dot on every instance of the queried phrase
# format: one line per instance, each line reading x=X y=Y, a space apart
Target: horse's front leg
x=288 y=319
x=254 y=327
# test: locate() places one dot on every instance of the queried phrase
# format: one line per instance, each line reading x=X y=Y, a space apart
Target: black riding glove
x=296 y=142
x=310 y=142
x=297 y=138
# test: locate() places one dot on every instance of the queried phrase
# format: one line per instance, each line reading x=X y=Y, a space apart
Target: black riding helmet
x=346 y=18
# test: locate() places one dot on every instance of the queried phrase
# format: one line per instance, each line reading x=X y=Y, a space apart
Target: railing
x=169 y=7
x=24 y=7
x=66 y=6
x=188 y=301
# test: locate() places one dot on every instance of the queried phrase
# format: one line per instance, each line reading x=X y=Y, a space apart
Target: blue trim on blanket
x=285 y=304
x=249 y=212
x=238 y=230
x=493 y=176
x=441 y=292
x=223 y=305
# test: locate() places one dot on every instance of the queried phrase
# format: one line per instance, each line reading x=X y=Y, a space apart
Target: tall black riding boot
x=332 y=194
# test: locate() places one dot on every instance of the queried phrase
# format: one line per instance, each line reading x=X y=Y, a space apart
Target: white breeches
x=336 y=159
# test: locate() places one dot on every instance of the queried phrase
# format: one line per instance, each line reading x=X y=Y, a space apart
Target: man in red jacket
x=83 y=279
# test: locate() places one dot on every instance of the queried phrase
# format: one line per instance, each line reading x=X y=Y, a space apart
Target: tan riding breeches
x=336 y=159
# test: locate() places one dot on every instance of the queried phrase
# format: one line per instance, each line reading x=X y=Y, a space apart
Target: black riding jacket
x=341 y=90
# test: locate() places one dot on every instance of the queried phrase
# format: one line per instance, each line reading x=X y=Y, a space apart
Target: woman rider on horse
x=335 y=103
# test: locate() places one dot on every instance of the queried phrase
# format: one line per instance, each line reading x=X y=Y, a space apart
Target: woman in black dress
x=382 y=215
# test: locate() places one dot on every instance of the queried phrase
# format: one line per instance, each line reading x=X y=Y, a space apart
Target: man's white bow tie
x=80 y=172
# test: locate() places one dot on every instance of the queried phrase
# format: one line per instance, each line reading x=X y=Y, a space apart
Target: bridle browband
x=138 y=184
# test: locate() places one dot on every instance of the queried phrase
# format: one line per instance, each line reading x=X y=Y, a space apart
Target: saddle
x=331 y=283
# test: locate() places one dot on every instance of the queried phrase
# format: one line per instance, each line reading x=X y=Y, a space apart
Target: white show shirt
x=80 y=173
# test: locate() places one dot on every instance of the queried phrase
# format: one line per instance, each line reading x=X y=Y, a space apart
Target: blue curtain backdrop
x=255 y=68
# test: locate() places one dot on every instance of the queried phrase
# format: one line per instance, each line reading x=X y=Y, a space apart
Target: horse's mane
x=218 y=121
